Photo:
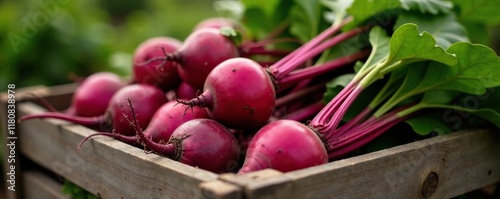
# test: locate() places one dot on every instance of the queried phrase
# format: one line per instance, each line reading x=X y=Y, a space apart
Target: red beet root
x=284 y=145
x=146 y=98
x=160 y=73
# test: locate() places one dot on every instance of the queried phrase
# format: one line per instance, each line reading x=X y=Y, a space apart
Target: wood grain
x=461 y=161
x=439 y=167
x=106 y=167
x=38 y=185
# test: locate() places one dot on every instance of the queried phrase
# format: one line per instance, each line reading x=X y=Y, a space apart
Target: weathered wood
x=439 y=167
x=267 y=183
x=106 y=167
x=220 y=190
x=6 y=164
x=59 y=96
x=37 y=185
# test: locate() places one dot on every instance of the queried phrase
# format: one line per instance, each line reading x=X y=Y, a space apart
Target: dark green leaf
x=408 y=44
x=481 y=11
x=267 y=7
x=363 y=10
x=444 y=28
x=440 y=96
x=429 y=122
x=486 y=106
x=413 y=74
x=478 y=33
x=477 y=69
x=257 y=22
x=427 y=6
x=259 y=17
x=489 y=115
x=336 y=85
x=75 y=192
x=305 y=18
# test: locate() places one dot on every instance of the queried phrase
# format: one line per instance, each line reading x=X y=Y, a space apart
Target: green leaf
x=427 y=6
x=259 y=17
x=482 y=11
x=444 y=28
x=75 y=192
x=429 y=122
x=478 y=33
x=440 y=96
x=338 y=10
x=485 y=106
x=477 y=69
x=380 y=43
x=489 y=115
x=363 y=10
x=336 y=85
x=413 y=74
x=305 y=18
x=408 y=44
x=232 y=34
x=267 y=8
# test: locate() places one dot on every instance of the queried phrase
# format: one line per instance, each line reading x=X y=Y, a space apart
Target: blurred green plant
x=75 y=192
x=44 y=41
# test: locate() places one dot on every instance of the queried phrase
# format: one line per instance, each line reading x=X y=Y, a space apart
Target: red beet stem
x=92 y=122
x=127 y=139
x=163 y=149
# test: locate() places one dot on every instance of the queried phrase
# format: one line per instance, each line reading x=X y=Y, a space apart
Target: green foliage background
x=41 y=41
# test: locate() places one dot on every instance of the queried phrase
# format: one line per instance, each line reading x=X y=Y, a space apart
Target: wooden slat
x=220 y=190
x=106 y=167
x=263 y=184
x=59 y=96
x=462 y=161
x=37 y=185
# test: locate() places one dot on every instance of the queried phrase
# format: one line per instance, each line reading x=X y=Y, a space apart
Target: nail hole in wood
x=430 y=184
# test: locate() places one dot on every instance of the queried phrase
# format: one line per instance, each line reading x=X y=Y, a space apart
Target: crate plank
x=220 y=190
x=37 y=185
x=106 y=167
x=439 y=167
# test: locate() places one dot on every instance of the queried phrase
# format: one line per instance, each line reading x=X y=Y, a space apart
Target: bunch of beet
x=214 y=103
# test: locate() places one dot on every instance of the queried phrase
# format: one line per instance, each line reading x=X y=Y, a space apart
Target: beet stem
x=166 y=150
x=46 y=104
x=306 y=47
x=319 y=122
x=127 y=139
x=313 y=71
x=305 y=113
x=367 y=135
x=282 y=70
x=91 y=122
x=203 y=100
x=248 y=47
x=258 y=51
x=176 y=57
x=297 y=95
x=354 y=121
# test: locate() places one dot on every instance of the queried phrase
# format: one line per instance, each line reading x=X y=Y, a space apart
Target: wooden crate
x=439 y=167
